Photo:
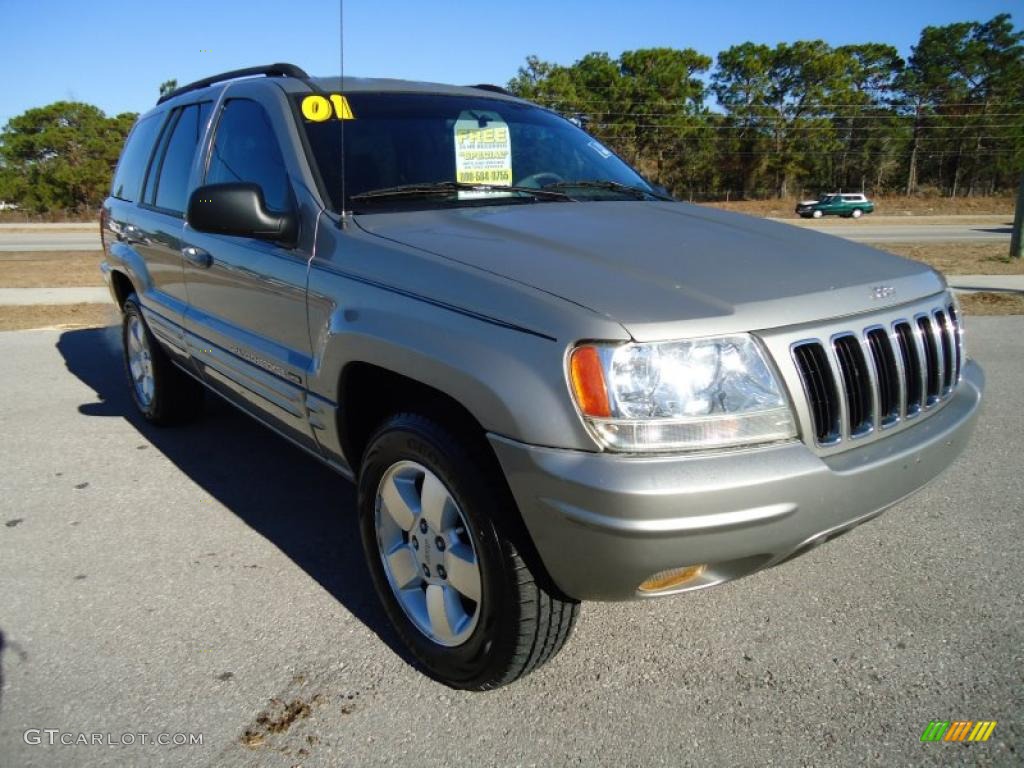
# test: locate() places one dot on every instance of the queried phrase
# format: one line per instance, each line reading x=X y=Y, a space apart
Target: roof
x=294 y=79
x=388 y=85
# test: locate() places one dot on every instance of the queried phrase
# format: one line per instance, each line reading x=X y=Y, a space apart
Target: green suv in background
x=845 y=205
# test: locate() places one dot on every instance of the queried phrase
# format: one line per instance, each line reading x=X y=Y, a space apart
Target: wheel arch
x=122 y=286
x=381 y=393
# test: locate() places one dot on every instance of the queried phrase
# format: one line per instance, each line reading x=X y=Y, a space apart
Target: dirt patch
x=278 y=718
x=991 y=303
x=57 y=316
x=961 y=258
x=50 y=269
x=890 y=206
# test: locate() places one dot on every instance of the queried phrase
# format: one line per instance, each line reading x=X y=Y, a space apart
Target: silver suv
x=549 y=382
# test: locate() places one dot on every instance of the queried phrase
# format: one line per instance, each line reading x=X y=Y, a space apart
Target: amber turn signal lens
x=674 y=577
x=588 y=382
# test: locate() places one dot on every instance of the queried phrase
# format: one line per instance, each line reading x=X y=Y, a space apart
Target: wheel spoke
x=443 y=609
x=402 y=564
x=434 y=501
x=463 y=572
x=394 y=496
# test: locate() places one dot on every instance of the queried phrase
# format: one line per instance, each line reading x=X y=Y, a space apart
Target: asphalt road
x=206 y=579
x=868 y=230
x=49 y=240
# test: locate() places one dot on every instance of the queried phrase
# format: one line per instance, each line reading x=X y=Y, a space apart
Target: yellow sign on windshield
x=318 y=109
x=483 y=149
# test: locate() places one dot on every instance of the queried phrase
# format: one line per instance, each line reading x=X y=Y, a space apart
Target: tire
x=162 y=393
x=857 y=213
x=516 y=623
x=817 y=214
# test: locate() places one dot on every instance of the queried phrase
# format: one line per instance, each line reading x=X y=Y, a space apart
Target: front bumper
x=603 y=523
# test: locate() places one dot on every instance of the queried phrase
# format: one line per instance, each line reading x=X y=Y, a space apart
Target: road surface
x=209 y=580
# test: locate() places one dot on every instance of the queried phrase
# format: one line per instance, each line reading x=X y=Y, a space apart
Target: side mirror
x=239 y=209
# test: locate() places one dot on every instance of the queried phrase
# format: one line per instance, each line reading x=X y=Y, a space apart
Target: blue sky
x=115 y=53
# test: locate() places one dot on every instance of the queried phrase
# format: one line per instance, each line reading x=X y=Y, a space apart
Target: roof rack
x=270 y=70
x=492 y=88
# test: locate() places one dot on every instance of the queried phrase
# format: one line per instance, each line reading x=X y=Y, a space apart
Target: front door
x=246 y=320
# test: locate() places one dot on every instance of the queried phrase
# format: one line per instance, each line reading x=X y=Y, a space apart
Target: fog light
x=673 y=577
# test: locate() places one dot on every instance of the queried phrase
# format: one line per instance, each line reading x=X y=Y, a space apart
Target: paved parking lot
x=208 y=580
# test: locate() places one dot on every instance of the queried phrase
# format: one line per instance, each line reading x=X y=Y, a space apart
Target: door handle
x=197 y=256
x=131 y=234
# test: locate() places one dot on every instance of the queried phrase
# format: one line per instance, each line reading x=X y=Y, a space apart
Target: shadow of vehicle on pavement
x=298 y=504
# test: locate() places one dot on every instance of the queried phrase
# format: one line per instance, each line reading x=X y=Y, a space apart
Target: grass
x=45 y=269
x=18 y=318
x=961 y=258
x=991 y=303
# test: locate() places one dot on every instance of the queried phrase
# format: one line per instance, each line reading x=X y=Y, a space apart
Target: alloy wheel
x=140 y=361
x=428 y=553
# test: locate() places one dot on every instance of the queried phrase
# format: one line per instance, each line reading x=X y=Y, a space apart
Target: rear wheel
x=162 y=393
x=857 y=213
x=435 y=520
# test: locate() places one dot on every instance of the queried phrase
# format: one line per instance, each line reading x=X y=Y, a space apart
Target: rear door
x=246 y=321
x=148 y=233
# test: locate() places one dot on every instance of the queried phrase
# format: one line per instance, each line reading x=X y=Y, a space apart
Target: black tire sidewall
x=412 y=438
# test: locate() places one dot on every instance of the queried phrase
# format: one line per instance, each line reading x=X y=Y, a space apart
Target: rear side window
x=169 y=191
x=134 y=159
x=246 y=149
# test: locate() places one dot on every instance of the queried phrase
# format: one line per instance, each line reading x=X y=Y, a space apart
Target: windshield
x=428 y=150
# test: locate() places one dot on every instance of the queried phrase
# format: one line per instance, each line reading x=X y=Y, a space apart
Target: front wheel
x=817 y=214
x=436 y=520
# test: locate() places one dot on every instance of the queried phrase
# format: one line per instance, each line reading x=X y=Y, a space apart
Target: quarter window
x=167 y=185
x=246 y=149
x=138 y=148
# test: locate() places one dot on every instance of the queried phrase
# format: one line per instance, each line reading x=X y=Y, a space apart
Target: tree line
x=757 y=121
x=805 y=117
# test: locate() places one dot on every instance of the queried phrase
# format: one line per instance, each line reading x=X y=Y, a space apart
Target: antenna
x=341 y=53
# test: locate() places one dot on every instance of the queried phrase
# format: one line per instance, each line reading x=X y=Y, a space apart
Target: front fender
x=495 y=347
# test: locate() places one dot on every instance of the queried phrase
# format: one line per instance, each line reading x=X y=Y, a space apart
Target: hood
x=666 y=270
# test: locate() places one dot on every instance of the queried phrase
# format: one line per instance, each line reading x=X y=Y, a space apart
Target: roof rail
x=270 y=70
x=492 y=88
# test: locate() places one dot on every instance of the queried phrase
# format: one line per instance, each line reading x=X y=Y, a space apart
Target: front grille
x=870 y=379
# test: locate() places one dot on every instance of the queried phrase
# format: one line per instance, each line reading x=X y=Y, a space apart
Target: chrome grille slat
x=862 y=380
x=857 y=385
x=958 y=342
x=901 y=374
x=948 y=344
x=886 y=384
x=930 y=356
x=819 y=384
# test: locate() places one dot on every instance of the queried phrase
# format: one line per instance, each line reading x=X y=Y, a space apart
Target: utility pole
x=1017 y=237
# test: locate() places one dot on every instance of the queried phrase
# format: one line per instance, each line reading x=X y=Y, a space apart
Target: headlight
x=679 y=395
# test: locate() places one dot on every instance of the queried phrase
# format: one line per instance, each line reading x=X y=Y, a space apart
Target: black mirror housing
x=239 y=209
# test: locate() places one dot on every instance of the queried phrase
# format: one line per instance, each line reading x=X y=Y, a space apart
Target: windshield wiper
x=614 y=186
x=447 y=187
